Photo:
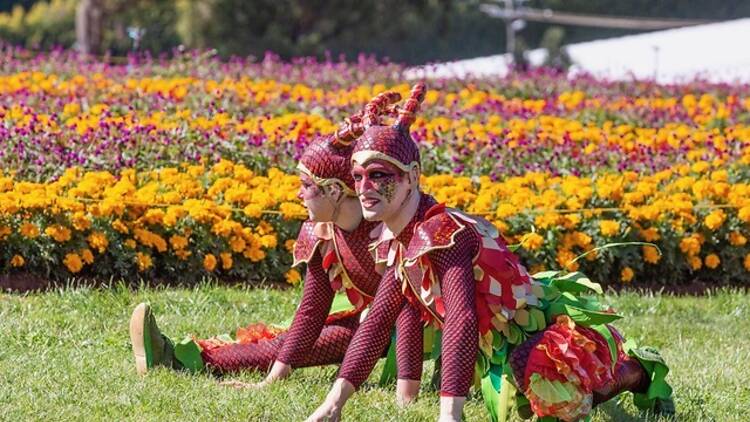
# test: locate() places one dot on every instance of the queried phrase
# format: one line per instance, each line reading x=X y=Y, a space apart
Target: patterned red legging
x=329 y=348
x=308 y=342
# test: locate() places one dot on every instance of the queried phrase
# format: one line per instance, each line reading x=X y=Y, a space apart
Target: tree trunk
x=89 y=17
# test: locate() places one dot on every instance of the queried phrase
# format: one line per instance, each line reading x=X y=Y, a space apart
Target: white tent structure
x=715 y=52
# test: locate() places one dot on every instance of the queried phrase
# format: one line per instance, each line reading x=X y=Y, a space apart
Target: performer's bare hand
x=327 y=412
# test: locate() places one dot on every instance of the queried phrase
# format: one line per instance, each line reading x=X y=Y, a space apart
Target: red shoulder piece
x=307 y=242
x=437 y=231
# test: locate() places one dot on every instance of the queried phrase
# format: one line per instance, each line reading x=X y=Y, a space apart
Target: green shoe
x=150 y=346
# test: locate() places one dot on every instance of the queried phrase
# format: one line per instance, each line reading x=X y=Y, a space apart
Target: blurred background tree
x=416 y=31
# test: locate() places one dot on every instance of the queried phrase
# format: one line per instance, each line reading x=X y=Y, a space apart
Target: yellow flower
x=237 y=244
x=29 y=230
x=715 y=219
x=254 y=254
x=17 y=261
x=253 y=211
x=130 y=243
x=73 y=262
x=291 y=211
x=564 y=257
x=626 y=275
x=651 y=254
x=87 y=256
x=650 y=234
x=5 y=231
x=58 y=232
x=532 y=241
x=289 y=245
x=98 y=241
x=120 y=226
x=609 y=228
x=690 y=246
x=144 y=261
x=744 y=214
x=737 y=239
x=209 y=262
x=183 y=254
x=293 y=277
x=80 y=221
x=226 y=260
x=695 y=263
x=178 y=242
x=712 y=261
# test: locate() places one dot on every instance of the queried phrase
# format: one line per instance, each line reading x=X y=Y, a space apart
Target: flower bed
x=190 y=221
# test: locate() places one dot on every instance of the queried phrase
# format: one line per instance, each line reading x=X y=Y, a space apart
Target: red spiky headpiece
x=327 y=160
x=392 y=143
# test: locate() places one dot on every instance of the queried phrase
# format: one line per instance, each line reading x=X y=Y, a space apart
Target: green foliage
x=44 y=25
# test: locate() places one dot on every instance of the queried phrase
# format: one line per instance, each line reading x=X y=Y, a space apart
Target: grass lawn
x=65 y=355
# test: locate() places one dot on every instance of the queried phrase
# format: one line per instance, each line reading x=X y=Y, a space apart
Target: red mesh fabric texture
x=329 y=348
x=310 y=341
x=409 y=343
x=353 y=247
x=373 y=334
x=454 y=268
x=327 y=161
x=391 y=141
x=389 y=305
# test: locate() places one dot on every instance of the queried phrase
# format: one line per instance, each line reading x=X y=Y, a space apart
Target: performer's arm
x=409 y=351
x=454 y=268
x=309 y=319
x=366 y=347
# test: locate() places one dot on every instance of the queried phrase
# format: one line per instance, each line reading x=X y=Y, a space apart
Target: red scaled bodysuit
x=336 y=260
x=455 y=271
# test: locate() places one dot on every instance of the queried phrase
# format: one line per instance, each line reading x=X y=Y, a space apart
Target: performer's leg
x=329 y=349
x=150 y=347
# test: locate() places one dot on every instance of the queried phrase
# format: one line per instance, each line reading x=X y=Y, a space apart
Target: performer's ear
x=334 y=191
x=414 y=173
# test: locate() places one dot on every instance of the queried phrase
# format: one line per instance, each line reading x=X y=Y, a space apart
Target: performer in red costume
x=454 y=271
x=334 y=245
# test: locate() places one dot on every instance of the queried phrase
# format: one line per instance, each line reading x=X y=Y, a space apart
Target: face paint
x=378 y=184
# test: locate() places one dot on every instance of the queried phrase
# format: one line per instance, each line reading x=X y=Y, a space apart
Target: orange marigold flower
x=626 y=275
x=746 y=262
x=695 y=263
x=650 y=234
x=17 y=261
x=532 y=241
x=87 y=256
x=178 y=242
x=651 y=255
x=609 y=228
x=29 y=230
x=98 y=241
x=209 y=262
x=289 y=245
x=712 y=261
x=293 y=277
x=73 y=262
x=715 y=219
x=226 y=260
x=58 y=232
x=737 y=239
x=144 y=261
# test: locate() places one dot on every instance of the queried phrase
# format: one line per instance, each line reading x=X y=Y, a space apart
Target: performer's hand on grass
x=330 y=410
x=279 y=371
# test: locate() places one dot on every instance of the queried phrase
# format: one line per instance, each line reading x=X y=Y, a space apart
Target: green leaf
x=576 y=283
